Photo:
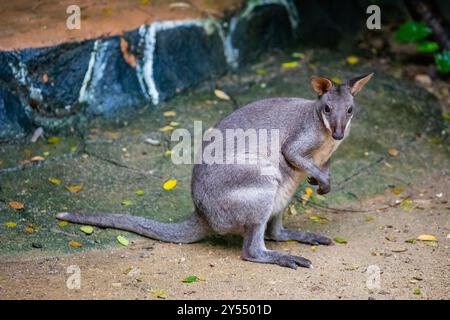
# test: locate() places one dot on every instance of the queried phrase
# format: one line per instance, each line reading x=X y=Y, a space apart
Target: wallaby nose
x=338 y=135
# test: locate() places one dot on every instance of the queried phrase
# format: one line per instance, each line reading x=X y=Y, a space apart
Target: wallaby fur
x=237 y=198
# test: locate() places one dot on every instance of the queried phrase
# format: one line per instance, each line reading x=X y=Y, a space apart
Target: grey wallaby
x=237 y=198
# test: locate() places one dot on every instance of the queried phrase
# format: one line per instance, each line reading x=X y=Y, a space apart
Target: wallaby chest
x=323 y=152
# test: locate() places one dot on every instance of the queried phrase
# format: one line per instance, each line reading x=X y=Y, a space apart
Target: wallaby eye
x=350 y=110
x=327 y=109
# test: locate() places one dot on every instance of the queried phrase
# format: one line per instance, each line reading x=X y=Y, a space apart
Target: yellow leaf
x=107 y=10
x=37 y=158
x=53 y=140
x=54 y=180
x=46 y=154
x=261 y=71
x=167 y=153
x=169 y=114
x=174 y=124
x=221 y=95
x=123 y=241
x=369 y=218
x=63 y=223
x=75 y=244
x=87 y=229
x=319 y=219
x=352 y=59
x=170 y=184
x=427 y=237
x=313 y=248
x=393 y=152
x=336 y=80
x=158 y=293
x=139 y=193
x=73 y=189
x=127 y=202
x=16 y=205
x=145 y=2
x=166 y=129
x=309 y=191
x=397 y=191
x=290 y=65
x=10 y=224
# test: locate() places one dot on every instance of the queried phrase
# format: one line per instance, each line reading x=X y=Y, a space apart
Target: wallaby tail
x=191 y=230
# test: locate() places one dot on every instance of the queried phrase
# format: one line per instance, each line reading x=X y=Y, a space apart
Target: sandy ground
x=376 y=242
x=27 y=24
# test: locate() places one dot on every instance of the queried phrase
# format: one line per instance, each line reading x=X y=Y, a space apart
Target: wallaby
x=237 y=198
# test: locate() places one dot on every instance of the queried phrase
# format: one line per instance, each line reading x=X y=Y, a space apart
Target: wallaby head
x=336 y=104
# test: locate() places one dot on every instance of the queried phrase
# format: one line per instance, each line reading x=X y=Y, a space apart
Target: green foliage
x=412 y=31
x=427 y=46
x=442 y=60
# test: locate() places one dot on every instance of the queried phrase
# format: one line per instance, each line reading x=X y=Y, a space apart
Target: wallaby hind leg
x=276 y=231
x=255 y=250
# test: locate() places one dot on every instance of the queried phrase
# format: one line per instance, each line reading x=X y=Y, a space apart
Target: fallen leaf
x=336 y=80
x=446 y=116
x=107 y=10
x=290 y=65
x=139 y=193
x=352 y=59
x=369 y=218
x=412 y=241
x=298 y=55
x=54 y=180
x=75 y=244
x=261 y=71
x=29 y=229
x=190 y=279
x=45 y=78
x=406 y=203
x=167 y=153
x=222 y=95
x=145 y=2
x=292 y=210
x=166 y=129
x=417 y=291
x=127 y=56
x=46 y=153
x=10 y=224
x=427 y=237
x=113 y=135
x=63 y=223
x=127 y=202
x=37 y=134
x=313 y=248
x=123 y=241
x=170 y=184
x=1 y=163
x=174 y=124
x=16 y=205
x=53 y=140
x=399 y=250
x=319 y=219
x=340 y=240
x=393 y=152
x=153 y=142
x=73 y=189
x=37 y=158
x=397 y=191
x=87 y=229
x=169 y=114
x=158 y=293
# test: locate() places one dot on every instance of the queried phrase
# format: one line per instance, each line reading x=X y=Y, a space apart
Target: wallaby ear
x=356 y=84
x=321 y=85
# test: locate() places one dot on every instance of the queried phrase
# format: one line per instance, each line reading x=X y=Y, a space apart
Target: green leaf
x=87 y=229
x=140 y=193
x=417 y=291
x=190 y=279
x=123 y=241
x=446 y=116
x=340 y=240
x=442 y=60
x=427 y=46
x=412 y=31
x=53 y=140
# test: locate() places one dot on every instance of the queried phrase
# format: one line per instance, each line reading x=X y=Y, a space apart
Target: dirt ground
x=376 y=241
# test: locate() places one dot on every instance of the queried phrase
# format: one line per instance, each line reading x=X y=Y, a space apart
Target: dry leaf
x=158 y=293
x=166 y=129
x=427 y=237
x=393 y=152
x=75 y=244
x=170 y=184
x=169 y=114
x=37 y=158
x=129 y=58
x=16 y=205
x=397 y=191
x=222 y=95
x=36 y=134
x=29 y=229
x=73 y=189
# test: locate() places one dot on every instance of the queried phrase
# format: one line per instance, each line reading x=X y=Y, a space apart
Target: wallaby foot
x=255 y=250
x=300 y=236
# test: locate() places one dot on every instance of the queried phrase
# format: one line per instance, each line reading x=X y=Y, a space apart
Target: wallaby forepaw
x=294 y=262
x=323 y=189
